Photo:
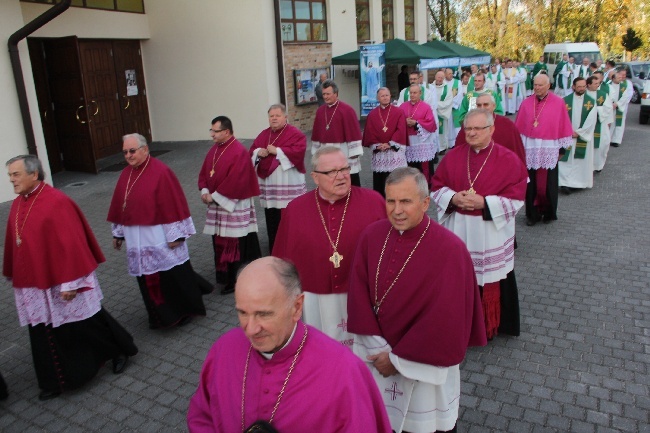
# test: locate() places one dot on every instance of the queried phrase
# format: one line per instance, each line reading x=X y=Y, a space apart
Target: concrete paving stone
x=599 y=418
x=507 y=397
x=582 y=427
x=542 y=392
x=496 y=422
x=560 y=423
x=542 y=429
x=511 y=411
x=638 y=414
x=473 y=416
x=564 y=397
x=528 y=401
x=479 y=429
x=587 y=402
x=535 y=416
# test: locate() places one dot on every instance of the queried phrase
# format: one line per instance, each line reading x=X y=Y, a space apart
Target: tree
x=631 y=41
x=445 y=17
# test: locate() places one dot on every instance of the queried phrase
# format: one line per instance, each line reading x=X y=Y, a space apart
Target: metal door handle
x=128 y=101
x=78 y=118
x=92 y=101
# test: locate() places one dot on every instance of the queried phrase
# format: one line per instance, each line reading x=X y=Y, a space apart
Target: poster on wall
x=373 y=75
x=131 y=83
x=305 y=81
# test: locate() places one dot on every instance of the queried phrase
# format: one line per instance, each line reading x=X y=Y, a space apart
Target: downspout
x=278 y=48
x=14 y=54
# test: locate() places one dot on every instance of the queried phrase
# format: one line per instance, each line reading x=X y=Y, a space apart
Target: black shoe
x=565 y=190
x=228 y=290
x=546 y=220
x=614 y=144
x=119 y=364
x=48 y=395
x=598 y=171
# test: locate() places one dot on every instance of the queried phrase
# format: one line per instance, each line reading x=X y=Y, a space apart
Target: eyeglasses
x=476 y=128
x=216 y=130
x=333 y=173
x=131 y=151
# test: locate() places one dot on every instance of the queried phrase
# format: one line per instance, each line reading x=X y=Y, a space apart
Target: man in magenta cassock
x=478 y=188
x=546 y=131
x=275 y=373
x=228 y=186
x=51 y=256
x=385 y=135
x=278 y=154
x=505 y=132
x=415 y=308
x=336 y=124
x=319 y=233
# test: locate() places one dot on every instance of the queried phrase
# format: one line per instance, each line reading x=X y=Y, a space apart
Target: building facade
x=166 y=68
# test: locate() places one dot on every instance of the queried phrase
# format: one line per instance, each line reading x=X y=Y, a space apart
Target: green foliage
x=531 y=24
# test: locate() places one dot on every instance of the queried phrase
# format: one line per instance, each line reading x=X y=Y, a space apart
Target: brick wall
x=302 y=56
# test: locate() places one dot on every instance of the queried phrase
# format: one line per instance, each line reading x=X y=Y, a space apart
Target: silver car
x=637 y=72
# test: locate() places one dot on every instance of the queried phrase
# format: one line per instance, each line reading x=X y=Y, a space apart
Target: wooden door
x=39 y=70
x=70 y=107
x=101 y=96
x=131 y=87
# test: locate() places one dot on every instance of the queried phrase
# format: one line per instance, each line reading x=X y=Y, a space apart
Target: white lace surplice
x=35 y=306
x=146 y=246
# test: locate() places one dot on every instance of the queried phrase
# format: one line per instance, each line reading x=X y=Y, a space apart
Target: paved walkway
x=580 y=365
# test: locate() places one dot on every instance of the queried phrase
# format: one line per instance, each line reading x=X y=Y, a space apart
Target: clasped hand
x=468 y=201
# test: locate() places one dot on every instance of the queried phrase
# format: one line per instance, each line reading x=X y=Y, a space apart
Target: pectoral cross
x=384 y=129
x=471 y=190
x=18 y=241
x=535 y=124
x=336 y=259
x=211 y=173
x=375 y=308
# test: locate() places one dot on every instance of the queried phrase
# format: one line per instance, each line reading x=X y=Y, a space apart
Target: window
x=387 y=20
x=409 y=20
x=303 y=20
x=363 y=20
x=111 y=5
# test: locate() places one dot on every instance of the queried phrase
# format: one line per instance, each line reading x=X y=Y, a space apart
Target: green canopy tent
x=466 y=54
x=399 y=51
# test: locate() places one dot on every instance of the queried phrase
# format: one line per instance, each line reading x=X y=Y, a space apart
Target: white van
x=553 y=53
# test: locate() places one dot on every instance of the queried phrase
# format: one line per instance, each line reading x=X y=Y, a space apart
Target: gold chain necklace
x=336 y=258
x=417 y=105
x=327 y=124
x=220 y=155
x=535 y=113
x=471 y=189
x=377 y=304
x=128 y=190
x=268 y=143
x=284 y=385
x=385 y=128
x=22 y=228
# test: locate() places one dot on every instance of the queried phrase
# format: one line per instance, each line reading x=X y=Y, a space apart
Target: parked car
x=637 y=72
x=645 y=103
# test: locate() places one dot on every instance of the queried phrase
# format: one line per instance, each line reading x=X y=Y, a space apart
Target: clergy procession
x=360 y=316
